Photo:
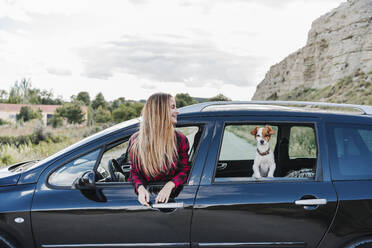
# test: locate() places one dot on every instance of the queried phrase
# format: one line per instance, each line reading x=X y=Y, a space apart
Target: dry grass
x=10 y=154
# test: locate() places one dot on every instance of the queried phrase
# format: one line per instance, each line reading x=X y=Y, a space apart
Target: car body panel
x=15 y=218
x=8 y=178
x=354 y=215
x=113 y=208
x=261 y=214
x=215 y=214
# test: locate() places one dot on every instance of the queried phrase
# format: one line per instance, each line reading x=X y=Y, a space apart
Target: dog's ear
x=254 y=131
x=271 y=131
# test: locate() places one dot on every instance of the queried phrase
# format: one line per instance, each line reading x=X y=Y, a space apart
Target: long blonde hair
x=154 y=149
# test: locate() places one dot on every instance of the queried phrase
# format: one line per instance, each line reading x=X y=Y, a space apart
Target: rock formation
x=338 y=44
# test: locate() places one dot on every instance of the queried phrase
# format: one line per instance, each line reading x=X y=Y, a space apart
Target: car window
x=293 y=147
x=350 y=151
x=65 y=175
x=193 y=135
x=302 y=143
x=119 y=149
x=239 y=144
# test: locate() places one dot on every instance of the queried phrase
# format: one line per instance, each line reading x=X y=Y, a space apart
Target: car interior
x=115 y=165
x=294 y=147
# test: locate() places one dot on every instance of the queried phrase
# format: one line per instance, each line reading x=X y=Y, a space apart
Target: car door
x=109 y=215
x=284 y=211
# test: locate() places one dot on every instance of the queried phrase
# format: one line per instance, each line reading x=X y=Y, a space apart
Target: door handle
x=168 y=205
x=311 y=202
x=221 y=165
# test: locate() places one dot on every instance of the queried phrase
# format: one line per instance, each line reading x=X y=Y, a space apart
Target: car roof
x=276 y=107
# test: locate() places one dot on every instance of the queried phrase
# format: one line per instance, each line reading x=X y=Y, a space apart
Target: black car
x=320 y=195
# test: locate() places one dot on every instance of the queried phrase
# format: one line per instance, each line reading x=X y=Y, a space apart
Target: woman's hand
x=143 y=196
x=165 y=192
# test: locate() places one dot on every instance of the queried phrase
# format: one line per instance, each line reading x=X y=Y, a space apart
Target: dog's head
x=262 y=134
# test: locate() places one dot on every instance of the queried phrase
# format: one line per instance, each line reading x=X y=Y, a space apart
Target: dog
x=264 y=163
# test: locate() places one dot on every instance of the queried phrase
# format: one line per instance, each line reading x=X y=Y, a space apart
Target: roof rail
x=365 y=109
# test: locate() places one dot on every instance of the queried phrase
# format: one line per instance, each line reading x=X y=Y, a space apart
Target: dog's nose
x=262 y=142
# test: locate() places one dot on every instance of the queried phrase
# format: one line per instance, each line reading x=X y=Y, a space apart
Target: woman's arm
x=135 y=175
x=183 y=166
x=182 y=170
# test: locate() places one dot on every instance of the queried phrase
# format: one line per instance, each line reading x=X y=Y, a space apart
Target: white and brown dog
x=264 y=163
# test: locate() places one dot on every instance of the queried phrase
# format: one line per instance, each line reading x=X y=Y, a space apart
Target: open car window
x=293 y=146
x=109 y=171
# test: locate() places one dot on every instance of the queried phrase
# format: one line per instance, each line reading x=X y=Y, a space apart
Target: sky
x=134 y=48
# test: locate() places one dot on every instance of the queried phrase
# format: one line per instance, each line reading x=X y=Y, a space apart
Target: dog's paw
x=255 y=176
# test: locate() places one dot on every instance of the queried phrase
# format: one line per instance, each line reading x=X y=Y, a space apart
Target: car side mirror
x=86 y=181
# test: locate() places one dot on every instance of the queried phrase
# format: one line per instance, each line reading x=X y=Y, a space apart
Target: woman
x=157 y=152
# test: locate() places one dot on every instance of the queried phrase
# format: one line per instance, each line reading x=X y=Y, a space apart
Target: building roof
x=49 y=109
x=8 y=107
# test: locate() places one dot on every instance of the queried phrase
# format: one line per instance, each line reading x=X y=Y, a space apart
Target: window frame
x=119 y=141
x=272 y=120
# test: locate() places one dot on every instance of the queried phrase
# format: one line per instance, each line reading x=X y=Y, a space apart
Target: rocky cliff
x=339 y=44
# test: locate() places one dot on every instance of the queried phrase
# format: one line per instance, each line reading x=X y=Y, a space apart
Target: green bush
x=102 y=115
x=55 y=121
x=3 y=122
x=27 y=113
x=72 y=112
x=6 y=159
x=35 y=138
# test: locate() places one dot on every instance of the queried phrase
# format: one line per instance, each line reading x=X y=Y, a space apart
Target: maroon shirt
x=178 y=172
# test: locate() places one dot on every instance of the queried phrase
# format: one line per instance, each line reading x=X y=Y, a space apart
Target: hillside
x=339 y=45
x=356 y=88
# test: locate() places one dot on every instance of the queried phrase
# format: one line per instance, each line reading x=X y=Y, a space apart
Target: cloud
x=209 y=4
x=58 y=71
x=148 y=86
x=194 y=64
x=10 y=25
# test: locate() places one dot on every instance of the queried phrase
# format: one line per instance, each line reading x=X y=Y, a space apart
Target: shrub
x=27 y=113
x=55 y=121
x=102 y=115
x=72 y=112
x=6 y=159
x=3 y=122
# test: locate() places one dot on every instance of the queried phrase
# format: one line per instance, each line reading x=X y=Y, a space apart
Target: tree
x=102 y=115
x=84 y=97
x=55 y=121
x=184 y=99
x=72 y=112
x=123 y=112
x=219 y=97
x=137 y=106
x=99 y=101
x=27 y=113
x=3 y=95
x=117 y=102
x=22 y=92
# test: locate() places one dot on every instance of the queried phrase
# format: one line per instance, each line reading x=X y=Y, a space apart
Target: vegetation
x=219 y=97
x=27 y=113
x=72 y=112
x=35 y=141
x=355 y=89
x=23 y=92
x=3 y=122
x=28 y=139
x=184 y=99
